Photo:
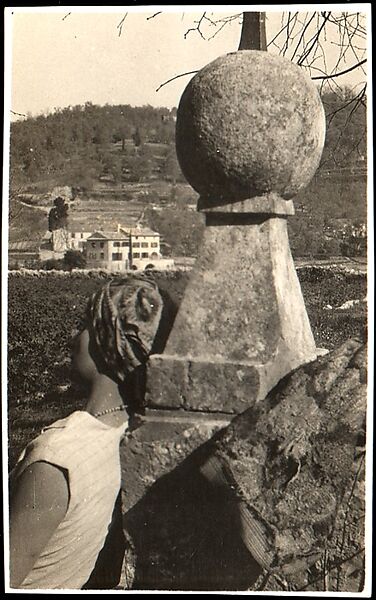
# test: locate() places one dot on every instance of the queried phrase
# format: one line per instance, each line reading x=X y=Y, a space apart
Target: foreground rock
x=273 y=501
x=295 y=464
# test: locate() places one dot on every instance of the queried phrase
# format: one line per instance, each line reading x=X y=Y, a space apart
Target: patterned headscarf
x=123 y=319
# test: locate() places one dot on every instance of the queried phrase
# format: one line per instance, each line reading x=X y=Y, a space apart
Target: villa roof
x=108 y=235
x=122 y=234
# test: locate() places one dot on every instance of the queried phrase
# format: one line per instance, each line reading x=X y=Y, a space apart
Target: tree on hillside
x=137 y=137
x=58 y=215
x=179 y=227
x=122 y=133
x=170 y=168
x=346 y=132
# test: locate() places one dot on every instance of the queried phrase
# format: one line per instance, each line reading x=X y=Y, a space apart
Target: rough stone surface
x=243 y=306
x=249 y=123
x=269 y=204
x=294 y=463
x=178 y=529
x=162 y=442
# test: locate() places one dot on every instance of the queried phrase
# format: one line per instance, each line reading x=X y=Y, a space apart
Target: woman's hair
x=123 y=318
x=129 y=319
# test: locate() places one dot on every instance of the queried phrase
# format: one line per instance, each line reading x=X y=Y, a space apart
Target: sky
x=65 y=56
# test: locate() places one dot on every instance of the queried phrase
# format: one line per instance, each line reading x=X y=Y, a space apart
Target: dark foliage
x=58 y=215
x=73 y=259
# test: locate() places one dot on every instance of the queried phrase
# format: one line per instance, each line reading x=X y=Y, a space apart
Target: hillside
x=121 y=164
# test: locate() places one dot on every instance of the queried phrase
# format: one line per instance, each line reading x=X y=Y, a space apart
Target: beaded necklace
x=108 y=411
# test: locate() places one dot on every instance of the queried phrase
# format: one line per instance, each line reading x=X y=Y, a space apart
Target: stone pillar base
x=175 y=382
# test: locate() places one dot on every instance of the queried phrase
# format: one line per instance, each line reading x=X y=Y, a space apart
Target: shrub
x=52 y=264
x=73 y=259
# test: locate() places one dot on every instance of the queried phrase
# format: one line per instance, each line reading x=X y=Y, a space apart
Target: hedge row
x=94 y=273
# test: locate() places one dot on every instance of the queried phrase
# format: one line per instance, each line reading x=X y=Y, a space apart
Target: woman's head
x=126 y=321
x=122 y=320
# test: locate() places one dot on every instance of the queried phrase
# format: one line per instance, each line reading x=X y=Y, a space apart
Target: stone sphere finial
x=249 y=124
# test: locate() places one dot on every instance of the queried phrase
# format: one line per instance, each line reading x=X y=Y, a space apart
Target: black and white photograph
x=187 y=299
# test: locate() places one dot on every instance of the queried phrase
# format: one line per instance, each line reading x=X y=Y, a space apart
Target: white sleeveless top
x=89 y=452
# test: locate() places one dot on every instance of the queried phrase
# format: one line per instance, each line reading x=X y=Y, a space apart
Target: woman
x=66 y=482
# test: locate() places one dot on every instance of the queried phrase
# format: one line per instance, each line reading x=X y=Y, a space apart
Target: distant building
x=23 y=253
x=60 y=240
x=127 y=248
x=54 y=244
x=107 y=250
x=78 y=234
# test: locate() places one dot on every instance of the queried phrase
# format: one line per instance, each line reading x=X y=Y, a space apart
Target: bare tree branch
x=315 y=39
x=356 y=98
x=342 y=72
x=120 y=25
x=225 y=21
x=176 y=77
x=18 y=114
x=154 y=15
x=197 y=28
x=301 y=38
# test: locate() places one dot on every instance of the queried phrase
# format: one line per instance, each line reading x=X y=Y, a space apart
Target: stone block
x=214 y=386
x=269 y=204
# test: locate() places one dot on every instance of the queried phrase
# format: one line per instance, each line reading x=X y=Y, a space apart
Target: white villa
x=127 y=248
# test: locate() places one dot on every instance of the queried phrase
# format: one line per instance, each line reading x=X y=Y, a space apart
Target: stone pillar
x=249 y=136
x=250 y=132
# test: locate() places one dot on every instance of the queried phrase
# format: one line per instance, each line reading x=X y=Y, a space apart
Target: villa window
x=93 y=244
x=136 y=255
x=101 y=244
x=102 y=255
x=136 y=244
x=144 y=245
x=125 y=244
x=116 y=244
x=144 y=255
x=154 y=244
x=117 y=256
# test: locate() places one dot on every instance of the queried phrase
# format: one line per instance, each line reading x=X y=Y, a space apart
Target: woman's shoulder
x=51 y=443
x=67 y=442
